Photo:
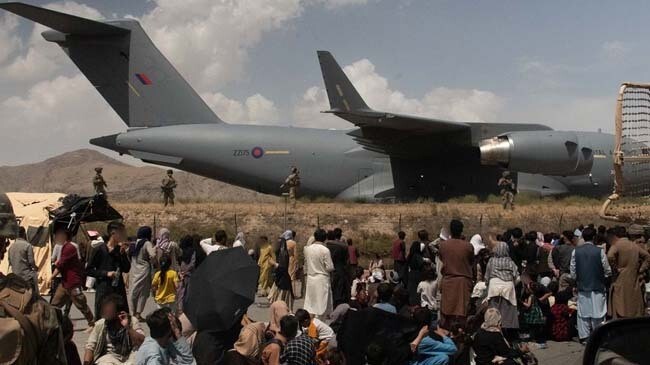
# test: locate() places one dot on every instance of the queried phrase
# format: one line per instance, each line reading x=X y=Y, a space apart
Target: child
x=427 y=289
x=164 y=285
x=359 y=292
x=320 y=333
x=561 y=317
x=533 y=317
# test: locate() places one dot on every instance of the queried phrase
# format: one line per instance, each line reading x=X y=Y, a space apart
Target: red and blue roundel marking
x=257 y=152
x=143 y=79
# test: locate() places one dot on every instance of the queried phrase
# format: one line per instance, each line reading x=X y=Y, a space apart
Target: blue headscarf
x=143 y=235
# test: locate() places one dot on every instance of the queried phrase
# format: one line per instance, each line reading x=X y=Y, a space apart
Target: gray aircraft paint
x=171 y=126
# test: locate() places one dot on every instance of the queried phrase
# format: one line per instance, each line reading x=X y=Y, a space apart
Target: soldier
x=98 y=182
x=293 y=182
x=168 y=185
x=508 y=190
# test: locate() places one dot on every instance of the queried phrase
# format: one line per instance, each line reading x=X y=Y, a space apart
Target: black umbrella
x=221 y=289
x=386 y=335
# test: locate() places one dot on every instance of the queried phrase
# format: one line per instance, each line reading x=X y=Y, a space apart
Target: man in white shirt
x=318 y=265
x=218 y=242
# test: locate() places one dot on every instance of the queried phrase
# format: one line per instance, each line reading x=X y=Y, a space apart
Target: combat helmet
x=99 y=169
x=170 y=172
x=505 y=173
x=294 y=170
x=8 y=221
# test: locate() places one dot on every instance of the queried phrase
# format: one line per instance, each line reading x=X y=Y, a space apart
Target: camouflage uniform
x=99 y=183
x=168 y=185
x=293 y=182
x=508 y=190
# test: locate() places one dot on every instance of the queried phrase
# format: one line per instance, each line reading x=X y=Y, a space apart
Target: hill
x=72 y=172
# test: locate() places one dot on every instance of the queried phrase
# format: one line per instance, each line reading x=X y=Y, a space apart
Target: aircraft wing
x=380 y=131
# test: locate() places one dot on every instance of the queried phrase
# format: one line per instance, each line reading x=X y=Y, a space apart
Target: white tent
x=31 y=209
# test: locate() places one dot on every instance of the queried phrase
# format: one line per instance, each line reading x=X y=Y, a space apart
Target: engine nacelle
x=538 y=152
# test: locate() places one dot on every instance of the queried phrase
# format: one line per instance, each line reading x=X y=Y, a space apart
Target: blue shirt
x=150 y=353
x=432 y=352
x=386 y=307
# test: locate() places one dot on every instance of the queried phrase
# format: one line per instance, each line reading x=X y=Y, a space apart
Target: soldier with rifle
x=99 y=184
x=293 y=183
x=508 y=190
x=167 y=187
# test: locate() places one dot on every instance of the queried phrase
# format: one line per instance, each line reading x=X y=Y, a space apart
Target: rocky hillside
x=72 y=172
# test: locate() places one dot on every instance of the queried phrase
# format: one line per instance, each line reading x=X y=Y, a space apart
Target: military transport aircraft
x=386 y=156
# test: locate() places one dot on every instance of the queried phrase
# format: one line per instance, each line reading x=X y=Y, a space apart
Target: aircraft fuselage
x=331 y=163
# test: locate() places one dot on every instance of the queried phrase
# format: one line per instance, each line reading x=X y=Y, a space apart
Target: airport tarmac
x=566 y=353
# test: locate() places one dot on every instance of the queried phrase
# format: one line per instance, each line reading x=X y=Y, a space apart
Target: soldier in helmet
x=99 y=184
x=508 y=190
x=292 y=182
x=168 y=185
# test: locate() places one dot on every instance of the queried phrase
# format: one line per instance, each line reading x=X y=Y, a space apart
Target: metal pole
x=400 y=222
x=286 y=201
x=317 y=221
x=236 y=231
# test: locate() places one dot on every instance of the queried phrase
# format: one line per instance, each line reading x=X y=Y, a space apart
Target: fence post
x=400 y=222
x=236 y=230
x=559 y=223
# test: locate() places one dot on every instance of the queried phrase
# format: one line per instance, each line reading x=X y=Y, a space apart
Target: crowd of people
x=492 y=298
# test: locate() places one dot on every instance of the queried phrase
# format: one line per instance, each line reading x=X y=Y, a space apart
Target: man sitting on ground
x=320 y=333
x=165 y=342
x=384 y=294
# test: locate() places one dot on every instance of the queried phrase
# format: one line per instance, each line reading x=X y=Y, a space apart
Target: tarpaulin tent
x=32 y=211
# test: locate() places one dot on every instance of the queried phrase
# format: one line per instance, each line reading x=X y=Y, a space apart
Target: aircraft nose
x=109 y=142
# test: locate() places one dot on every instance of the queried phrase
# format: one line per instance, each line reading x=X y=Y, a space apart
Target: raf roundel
x=257 y=152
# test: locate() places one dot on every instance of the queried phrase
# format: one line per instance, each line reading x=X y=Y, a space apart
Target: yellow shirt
x=166 y=291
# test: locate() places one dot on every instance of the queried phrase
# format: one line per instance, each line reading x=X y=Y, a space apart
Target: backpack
x=29 y=325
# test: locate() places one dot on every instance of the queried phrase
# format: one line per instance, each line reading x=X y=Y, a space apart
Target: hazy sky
x=254 y=61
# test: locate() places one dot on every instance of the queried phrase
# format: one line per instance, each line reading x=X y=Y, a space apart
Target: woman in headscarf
x=240 y=241
x=293 y=255
x=415 y=263
x=281 y=289
x=165 y=246
x=501 y=274
x=265 y=262
x=188 y=260
x=277 y=310
x=140 y=254
x=477 y=243
x=490 y=347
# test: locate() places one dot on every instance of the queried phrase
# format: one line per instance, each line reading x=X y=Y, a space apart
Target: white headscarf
x=444 y=234
x=240 y=241
x=477 y=242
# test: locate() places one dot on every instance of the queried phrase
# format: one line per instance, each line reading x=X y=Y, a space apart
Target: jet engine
x=538 y=152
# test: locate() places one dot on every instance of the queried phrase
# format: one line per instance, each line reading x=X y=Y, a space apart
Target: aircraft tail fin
x=125 y=67
x=343 y=97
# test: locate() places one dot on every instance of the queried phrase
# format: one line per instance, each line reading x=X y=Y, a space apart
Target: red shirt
x=399 y=250
x=70 y=267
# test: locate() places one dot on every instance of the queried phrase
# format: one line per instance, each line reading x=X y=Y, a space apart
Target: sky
x=254 y=61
